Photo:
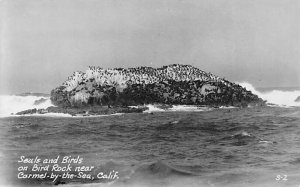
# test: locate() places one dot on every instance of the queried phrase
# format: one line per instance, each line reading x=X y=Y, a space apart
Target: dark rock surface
x=33 y=111
x=173 y=84
x=39 y=101
x=95 y=110
x=84 y=111
x=29 y=111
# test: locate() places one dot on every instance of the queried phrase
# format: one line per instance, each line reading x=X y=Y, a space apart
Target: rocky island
x=105 y=91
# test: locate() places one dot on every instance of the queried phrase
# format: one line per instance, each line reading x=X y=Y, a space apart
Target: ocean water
x=181 y=147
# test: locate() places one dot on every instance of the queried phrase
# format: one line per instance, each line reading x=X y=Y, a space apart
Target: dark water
x=222 y=147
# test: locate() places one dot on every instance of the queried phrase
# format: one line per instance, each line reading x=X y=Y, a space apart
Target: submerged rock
x=297 y=99
x=173 y=84
x=32 y=111
x=84 y=111
x=29 y=111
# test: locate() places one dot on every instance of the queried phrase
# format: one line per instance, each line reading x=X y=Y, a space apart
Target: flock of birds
x=142 y=75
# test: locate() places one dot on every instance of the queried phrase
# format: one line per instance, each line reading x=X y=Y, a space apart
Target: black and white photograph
x=150 y=93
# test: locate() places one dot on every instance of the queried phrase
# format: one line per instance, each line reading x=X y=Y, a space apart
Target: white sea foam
x=153 y=108
x=173 y=108
x=227 y=107
x=12 y=103
x=188 y=108
x=277 y=97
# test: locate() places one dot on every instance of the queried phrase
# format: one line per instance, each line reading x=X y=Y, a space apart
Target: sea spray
x=12 y=103
x=278 y=97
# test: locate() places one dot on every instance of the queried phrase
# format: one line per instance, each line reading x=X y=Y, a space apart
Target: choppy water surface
x=222 y=147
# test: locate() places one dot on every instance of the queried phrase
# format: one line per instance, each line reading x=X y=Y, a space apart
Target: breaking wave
x=11 y=103
x=277 y=97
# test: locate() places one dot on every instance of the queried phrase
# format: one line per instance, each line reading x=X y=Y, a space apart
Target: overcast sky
x=45 y=41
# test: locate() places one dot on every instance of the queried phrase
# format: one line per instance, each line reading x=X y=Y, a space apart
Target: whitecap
x=280 y=98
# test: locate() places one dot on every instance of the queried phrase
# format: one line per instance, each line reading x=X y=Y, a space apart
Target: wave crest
x=278 y=97
x=12 y=103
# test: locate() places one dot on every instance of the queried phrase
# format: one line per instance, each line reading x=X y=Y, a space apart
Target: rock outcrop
x=297 y=99
x=39 y=101
x=173 y=84
x=83 y=111
x=32 y=111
